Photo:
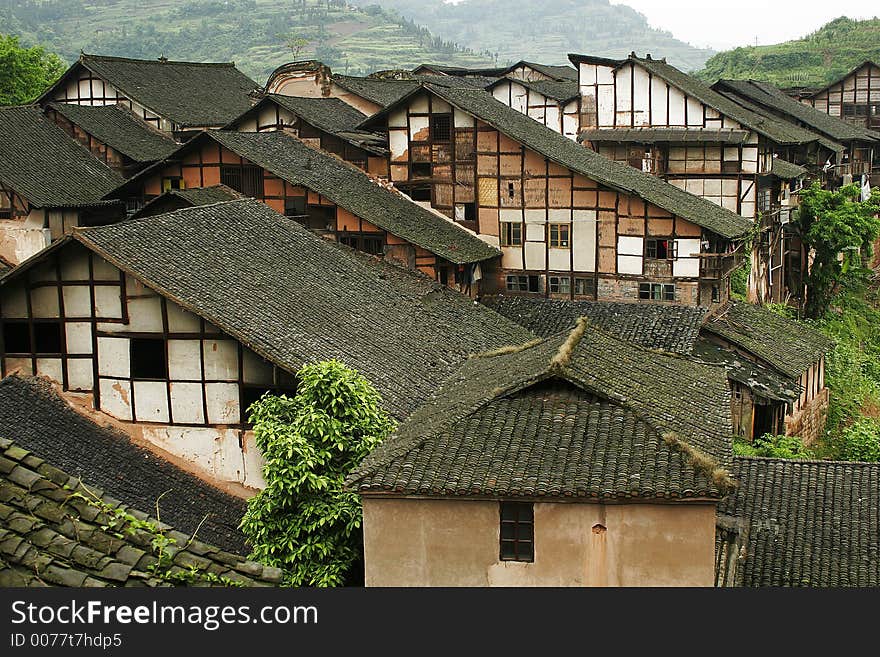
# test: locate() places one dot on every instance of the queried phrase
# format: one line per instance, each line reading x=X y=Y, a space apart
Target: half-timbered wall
x=561 y=118
x=89 y=89
x=273 y=117
x=26 y=230
x=855 y=99
x=88 y=326
x=212 y=164
x=114 y=159
x=561 y=234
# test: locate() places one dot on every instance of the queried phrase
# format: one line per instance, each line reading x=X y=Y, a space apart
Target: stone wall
x=809 y=421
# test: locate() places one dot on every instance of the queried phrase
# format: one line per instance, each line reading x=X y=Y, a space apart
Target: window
x=320 y=217
x=764 y=199
x=517 y=531
x=468 y=211
x=656 y=291
x=511 y=233
x=133 y=204
x=295 y=207
x=252 y=393
x=560 y=284
x=373 y=244
x=420 y=193
x=559 y=236
x=660 y=249
x=441 y=127
x=855 y=111
x=172 y=182
x=522 y=283
x=511 y=190
x=583 y=286
x=148 y=360
x=244 y=178
x=421 y=170
x=716 y=294
x=48 y=337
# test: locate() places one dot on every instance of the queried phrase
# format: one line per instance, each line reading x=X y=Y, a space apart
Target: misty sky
x=699 y=22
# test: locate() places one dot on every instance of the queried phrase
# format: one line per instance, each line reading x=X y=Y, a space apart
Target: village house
x=779 y=364
x=177 y=98
x=48 y=183
x=570 y=223
x=325 y=194
x=862 y=145
x=62 y=480
x=113 y=134
x=649 y=114
x=579 y=460
x=855 y=97
x=177 y=199
x=170 y=326
x=328 y=124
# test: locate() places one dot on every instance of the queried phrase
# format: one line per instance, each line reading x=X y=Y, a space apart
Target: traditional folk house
x=177 y=199
x=651 y=115
x=577 y=460
x=176 y=98
x=324 y=193
x=548 y=94
x=171 y=326
x=778 y=367
x=862 y=154
x=62 y=480
x=855 y=97
x=328 y=124
x=113 y=134
x=48 y=183
x=570 y=223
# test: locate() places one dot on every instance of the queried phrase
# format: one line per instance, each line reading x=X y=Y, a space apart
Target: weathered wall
x=859 y=89
x=420 y=542
x=22 y=237
x=809 y=420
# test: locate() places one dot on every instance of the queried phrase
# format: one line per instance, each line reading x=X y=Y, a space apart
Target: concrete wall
x=421 y=542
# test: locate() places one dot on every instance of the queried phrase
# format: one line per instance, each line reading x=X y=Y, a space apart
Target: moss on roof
x=175 y=199
x=786 y=170
x=788 y=346
x=42 y=163
x=117 y=127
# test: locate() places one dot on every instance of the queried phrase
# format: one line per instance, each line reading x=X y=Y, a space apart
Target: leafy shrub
x=860 y=441
x=778 y=447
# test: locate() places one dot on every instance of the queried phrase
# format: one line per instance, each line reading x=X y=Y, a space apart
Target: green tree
x=840 y=229
x=25 y=73
x=303 y=521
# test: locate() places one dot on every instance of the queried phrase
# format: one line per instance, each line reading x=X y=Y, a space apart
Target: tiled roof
x=761 y=380
x=36 y=418
x=120 y=129
x=785 y=344
x=563 y=72
x=653 y=135
x=58 y=525
x=381 y=92
x=809 y=523
x=331 y=115
x=347 y=186
x=490 y=431
x=786 y=170
x=175 y=199
x=294 y=297
x=579 y=159
x=671 y=328
x=45 y=165
x=779 y=130
x=190 y=94
x=843 y=77
x=559 y=90
x=768 y=96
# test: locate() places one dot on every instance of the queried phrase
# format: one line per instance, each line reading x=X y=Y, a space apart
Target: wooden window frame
x=667 y=291
x=511 y=233
x=559 y=241
x=653 y=250
x=522 y=528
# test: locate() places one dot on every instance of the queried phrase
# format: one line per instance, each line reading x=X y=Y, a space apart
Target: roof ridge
x=114 y=58
x=829 y=462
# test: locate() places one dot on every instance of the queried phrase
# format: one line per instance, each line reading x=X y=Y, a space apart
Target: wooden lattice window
x=517 y=531
x=441 y=127
x=244 y=178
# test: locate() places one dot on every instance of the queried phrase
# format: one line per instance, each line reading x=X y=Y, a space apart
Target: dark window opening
x=244 y=178
x=170 y=183
x=470 y=211
x=522 y=283
x=583 y=286
x=660 y=249
x=517 y=531
x=441 y=127
x=656 y=292
x=443 y=275
x=373 y=244
x=421 y=170
x=251 y=393
x=716 y=294
x=420 y=193
x=320 y=217
x=148 y=360
x=48 y=338
x=511 y=233
x=16 y=338
x=559 y=284
x=295 y=207
x=133 y=204
x=511 y=190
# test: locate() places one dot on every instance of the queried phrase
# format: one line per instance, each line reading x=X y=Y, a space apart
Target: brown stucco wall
x=422 y=542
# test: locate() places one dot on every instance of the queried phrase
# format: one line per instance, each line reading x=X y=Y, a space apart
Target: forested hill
x=817 y=59
x=253 y=33
x=351 y=39
x=546 y=30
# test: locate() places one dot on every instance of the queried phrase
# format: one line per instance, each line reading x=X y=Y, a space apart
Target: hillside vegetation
x=814 y=61
x=253 y=33
x=547 y=30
